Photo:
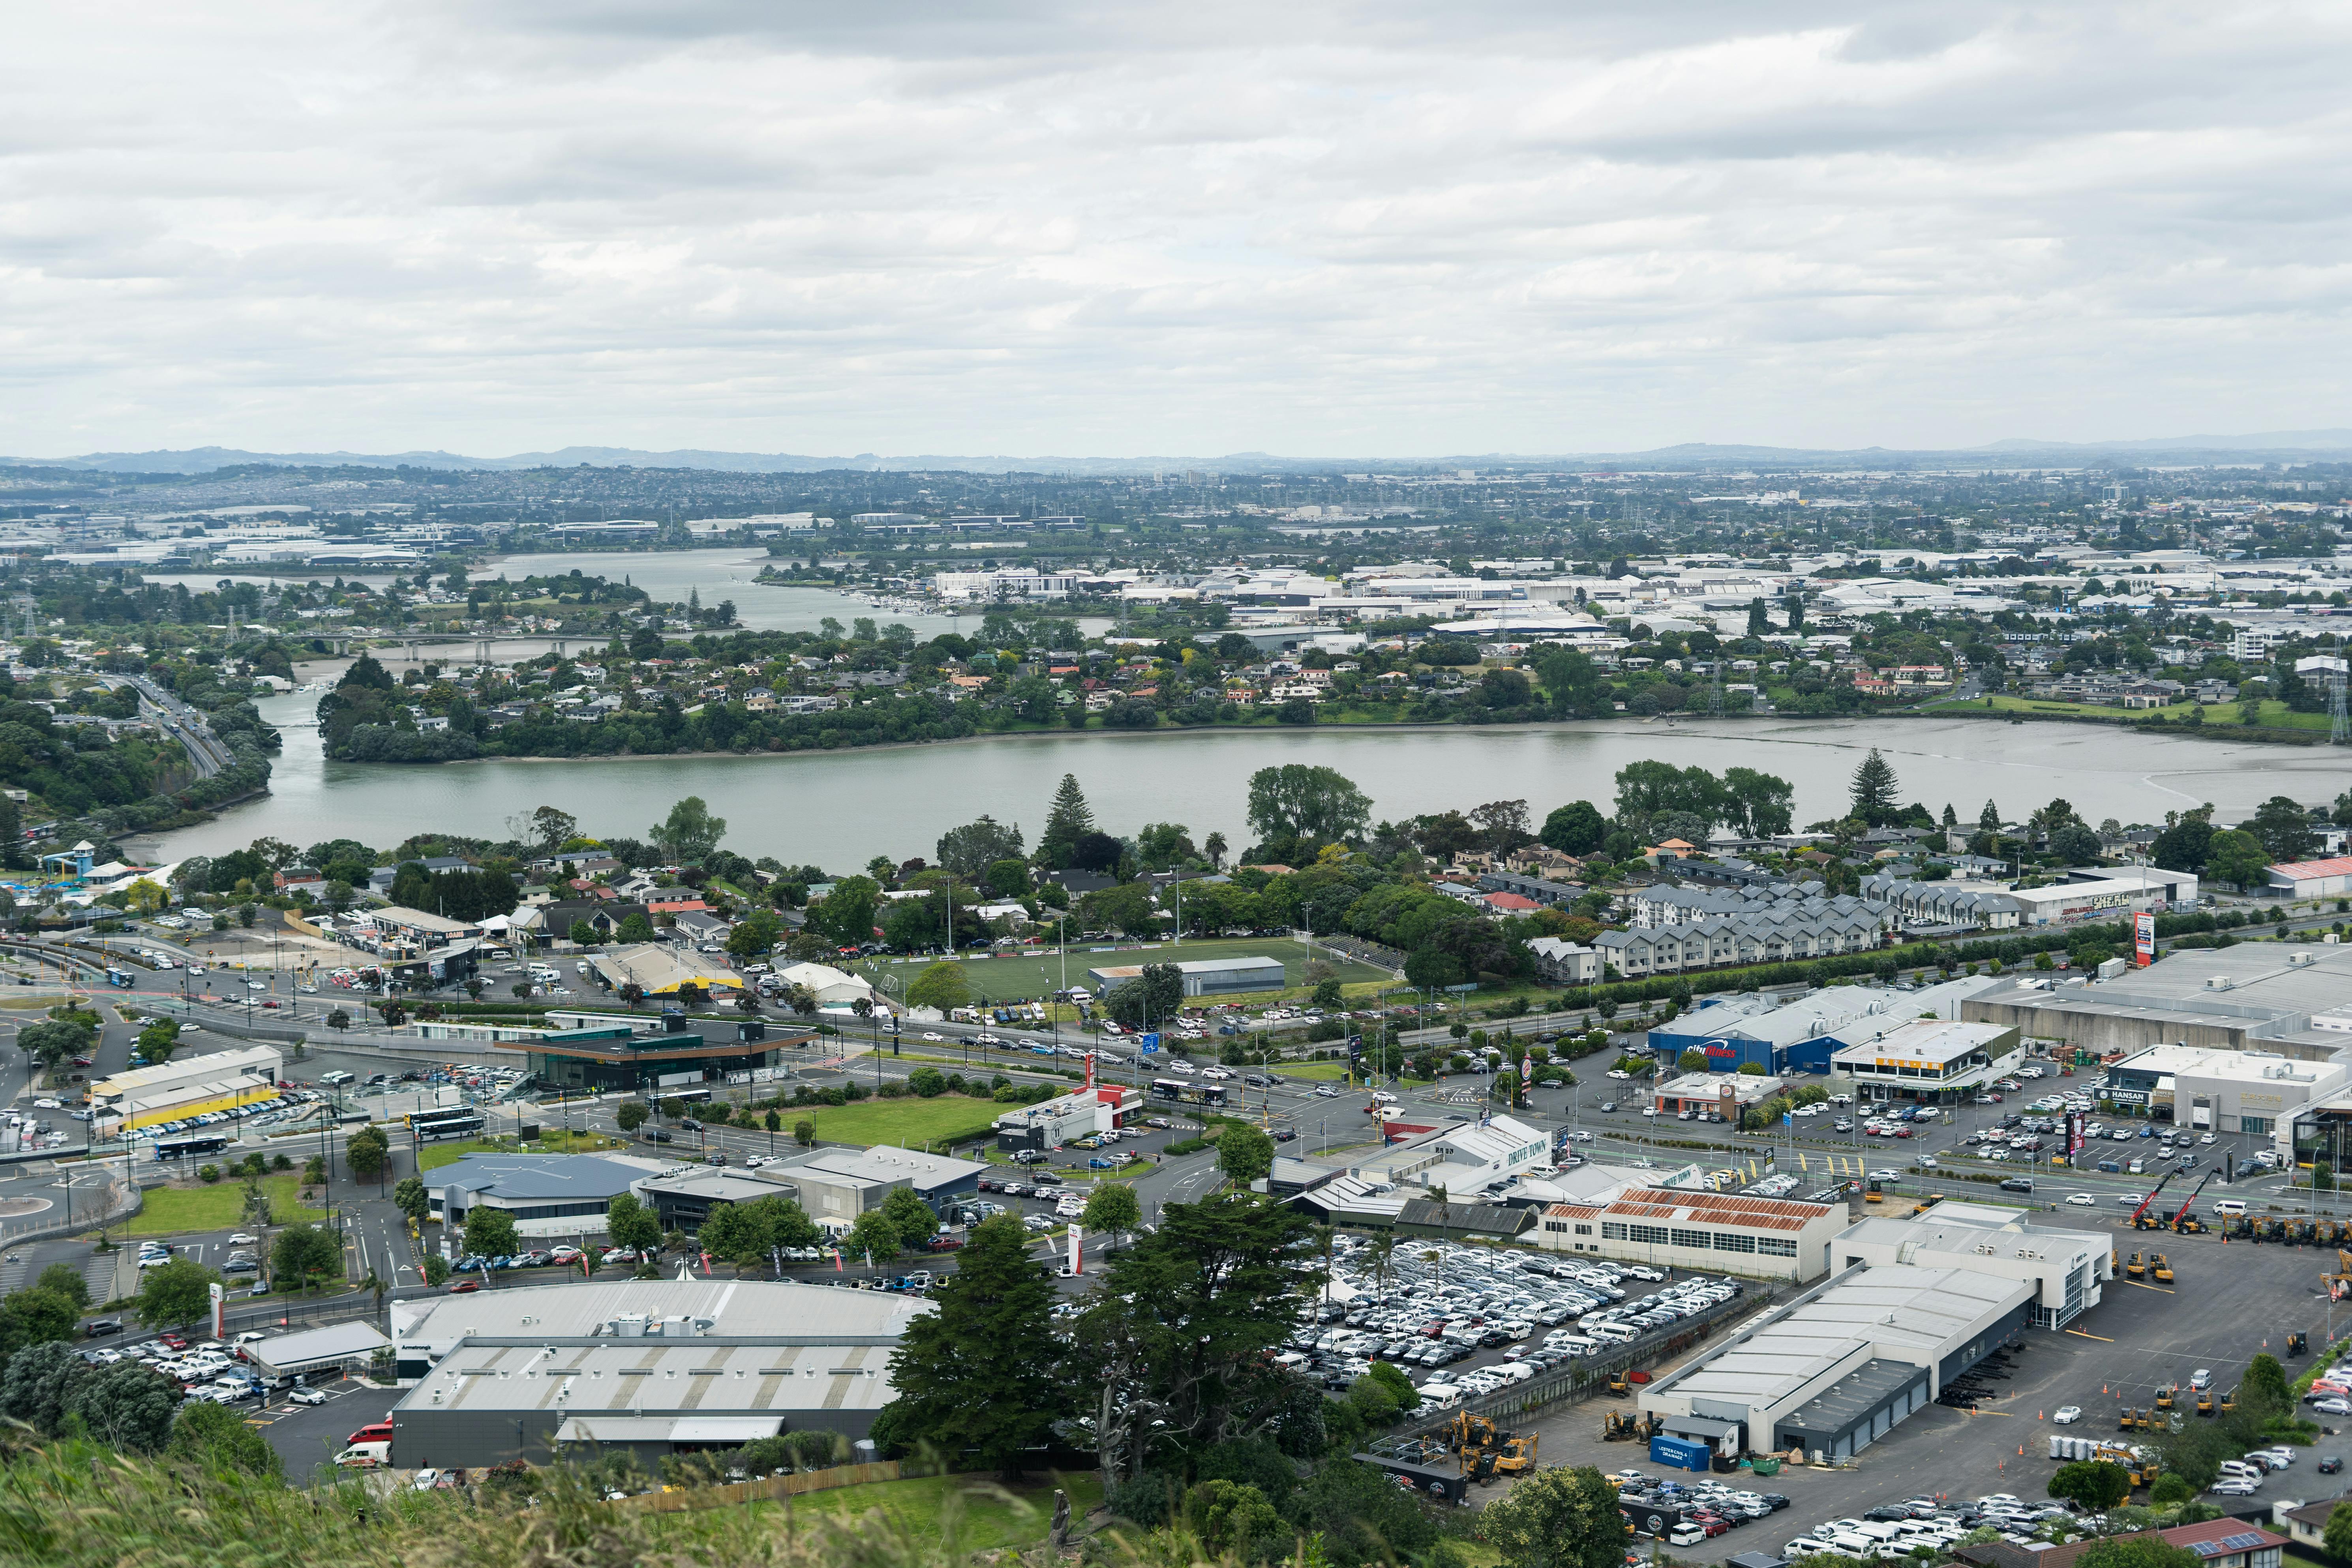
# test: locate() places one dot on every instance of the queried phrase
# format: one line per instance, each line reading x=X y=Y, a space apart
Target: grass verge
x=977 y=1511
x=908 y=1123
x=170 y=1211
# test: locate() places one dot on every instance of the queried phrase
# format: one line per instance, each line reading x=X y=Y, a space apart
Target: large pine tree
x=979 y=1374
x=1873 y=791
x=1067 y=820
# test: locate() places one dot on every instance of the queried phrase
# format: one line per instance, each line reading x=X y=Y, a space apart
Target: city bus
x=1189 y=1093
x=447 y=1121
x=118 y=976
x=184 y=1148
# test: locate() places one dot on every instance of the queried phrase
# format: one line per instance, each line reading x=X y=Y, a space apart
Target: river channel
x=838 y=809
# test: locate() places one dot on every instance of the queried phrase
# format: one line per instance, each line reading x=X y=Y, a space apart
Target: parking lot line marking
x=2143 y=1285
x=2101 y=1338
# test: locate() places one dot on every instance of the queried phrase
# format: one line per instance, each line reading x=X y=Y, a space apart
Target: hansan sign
x=2144 y=938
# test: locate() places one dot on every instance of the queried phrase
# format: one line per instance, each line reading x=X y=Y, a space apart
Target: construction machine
x=2151 y=1196
x=2204 y=1402
x=2298 y=1343
x=1517 y=1456
x=2339 y=1284
x=2159 y=1269
x=2134 y=1461
x=2135 y=1270
x=1478 y=1467
x=1619 y=1387
x=2125 y=1421
x=2183 y=1223
x=1471 y=1434
x=2167 y=1396
x=1617 y=1426
x=2229 y=1401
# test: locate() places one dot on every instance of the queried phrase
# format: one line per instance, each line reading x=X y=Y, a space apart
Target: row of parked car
x=1898 y=1528
x=1688 y=1512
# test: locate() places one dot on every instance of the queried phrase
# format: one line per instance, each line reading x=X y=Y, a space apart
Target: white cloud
x=1339 y=229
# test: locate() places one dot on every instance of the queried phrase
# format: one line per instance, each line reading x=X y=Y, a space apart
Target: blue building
x=1799 y=1034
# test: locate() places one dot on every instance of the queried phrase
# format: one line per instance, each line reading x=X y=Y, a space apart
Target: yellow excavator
x=2204 y=1402
x=2159 y=1269
x=2166 y=1396
x=2135 y=1270
x=1620 y=1387
x=1617 y=1426
x=1517 y=1456
x=1471 y=1434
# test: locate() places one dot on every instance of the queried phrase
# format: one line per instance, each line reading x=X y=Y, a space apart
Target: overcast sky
x=1197 y=229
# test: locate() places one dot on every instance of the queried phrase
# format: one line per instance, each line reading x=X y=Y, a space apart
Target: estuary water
x=839 y=809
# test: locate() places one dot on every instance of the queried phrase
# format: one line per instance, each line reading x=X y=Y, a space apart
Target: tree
x=910 y=1217
x=874 y=1234
x=2264 y=1388
x=2076 y=844
x=754 y=935
x=1563 y=1518
x=491 y=1232
x=1873 y=791
x=551 y=829
x=979 y=1373
x=636 y=927
x=127 y=1406
x=941 y=985
x=2285 y=828
x=1428 y=969
x=54 y=1040
x=2237 y=856
x=66 y=1280
x=2338 y=1535
x=689 y=833
x=40 y=1383
x=1112 y=1209
x=1573 y=683
x=2091 y=1484
x=1150 y=999
x=970 y=850
x=177 y=1292
x=146 y=897
x=1068 y=820
x=804 y=1132
x=209 y=1434
x=1299 y=800
x=1758 y=805
x=37 y=1316
x=367 y=1151
x=1245 y=1154
x=631 y=1224
x=1214 y=847
x=846 y=914
x=2143 y=1551
x=631 y=1115
x=409 y=1197
x=304 y=1253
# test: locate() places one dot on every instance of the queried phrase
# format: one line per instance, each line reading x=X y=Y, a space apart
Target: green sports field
x=1037 y=975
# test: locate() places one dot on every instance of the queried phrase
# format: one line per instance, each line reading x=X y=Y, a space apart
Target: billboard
x=2144 y=940
x=2074 y=1135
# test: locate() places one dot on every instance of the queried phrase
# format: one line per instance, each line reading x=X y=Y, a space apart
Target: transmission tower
x=2339 y=726
x=1714 y=693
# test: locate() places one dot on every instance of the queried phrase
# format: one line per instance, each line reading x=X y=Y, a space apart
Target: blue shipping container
x=1682 y=1453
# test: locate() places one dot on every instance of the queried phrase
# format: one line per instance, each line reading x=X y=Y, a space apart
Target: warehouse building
x=2260 y=996
x=656 y=1367
x=2105 y=894
x=1054 y=1123
x=2330 y=878
x=1928 y=1059
x=185 y=1086
x=1204 y=978
x=830 y=1183
x=604 y=1058
x=1718 y=1093
x=2067 y=1269
x=1771 y=1238
x=1839 y=1367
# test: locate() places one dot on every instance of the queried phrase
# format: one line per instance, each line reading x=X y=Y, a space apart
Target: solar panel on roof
x=2240 y=1542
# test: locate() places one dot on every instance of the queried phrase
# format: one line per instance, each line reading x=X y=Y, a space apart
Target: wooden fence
x=773 y=1489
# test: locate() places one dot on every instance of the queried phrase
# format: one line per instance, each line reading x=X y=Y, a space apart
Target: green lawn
x=1039 y=975
x=909 y=1123
x=552 y=1142
x=966 y=1513
x=168 y=1210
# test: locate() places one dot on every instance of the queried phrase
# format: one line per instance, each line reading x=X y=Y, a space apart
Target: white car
x=932 y=1036
x=2207 y=1139
x=243 y=1238
x=2080 y=1200
x=2333 y=1406
x=1326 y=1091
x=2067 y=1414
x=47 y=1104
x=1581 y=1137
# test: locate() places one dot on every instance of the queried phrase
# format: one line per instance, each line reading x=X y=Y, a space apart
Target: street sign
x=1150 y=1044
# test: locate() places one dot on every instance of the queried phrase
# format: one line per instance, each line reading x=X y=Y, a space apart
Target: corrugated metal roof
x=1718 y=1208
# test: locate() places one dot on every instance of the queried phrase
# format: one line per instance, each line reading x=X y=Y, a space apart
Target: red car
x=172 y=1342
x=464 y=1287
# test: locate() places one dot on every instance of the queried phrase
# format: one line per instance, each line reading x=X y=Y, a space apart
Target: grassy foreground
x=980 y=1511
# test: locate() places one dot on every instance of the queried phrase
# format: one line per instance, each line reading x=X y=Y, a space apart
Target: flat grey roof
x=318 y=1347
x=659 y=1377
x=737 y=1308
x=525 y=1178
x=1852 y=1397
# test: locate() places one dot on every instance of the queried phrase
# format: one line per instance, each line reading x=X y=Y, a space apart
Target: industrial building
x=1468 y=1160
x=1771 y=1238
x=548 y=1194
x=1840 y=1366
x=2255 y=1092
x=2106 y=893
x=832 y=1184
x=1929 y=1058
x=2330 y=878
x=656 y=1367
x=185 y=1086
x=1205 y=977
x=2067 y=1269
x=2262 y=996
x=1800 y=1033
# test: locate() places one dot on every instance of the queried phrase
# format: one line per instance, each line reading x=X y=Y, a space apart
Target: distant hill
x=1696 y=456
